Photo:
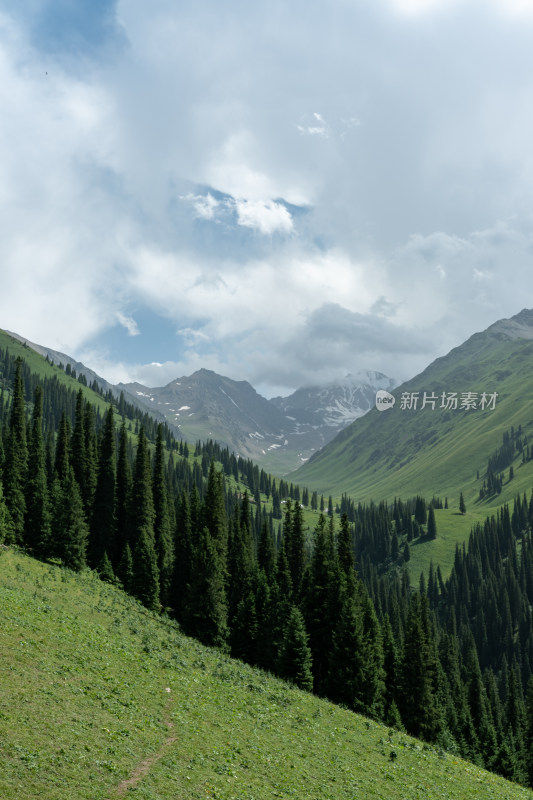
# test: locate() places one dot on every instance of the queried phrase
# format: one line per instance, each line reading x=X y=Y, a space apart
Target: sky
x=284 y=192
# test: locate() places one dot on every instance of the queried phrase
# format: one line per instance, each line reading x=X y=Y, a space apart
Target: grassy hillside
x=44 y=369
x=102 y=700
x=428 y=451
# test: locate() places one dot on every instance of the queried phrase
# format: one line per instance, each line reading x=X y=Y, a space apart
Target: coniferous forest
x=331 y=609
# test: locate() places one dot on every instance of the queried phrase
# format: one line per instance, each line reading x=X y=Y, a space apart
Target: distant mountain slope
x=206 y=405
x=402 y=451
x=280 y=434
x=337 y=404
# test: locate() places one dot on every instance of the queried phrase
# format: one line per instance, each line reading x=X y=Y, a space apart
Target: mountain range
x=280 y=434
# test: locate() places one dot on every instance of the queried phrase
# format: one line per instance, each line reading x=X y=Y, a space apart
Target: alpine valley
x=404 y=595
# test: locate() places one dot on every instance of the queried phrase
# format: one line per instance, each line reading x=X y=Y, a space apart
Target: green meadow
x=101 y=699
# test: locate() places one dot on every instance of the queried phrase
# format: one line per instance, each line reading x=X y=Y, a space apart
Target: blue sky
x=282 y=192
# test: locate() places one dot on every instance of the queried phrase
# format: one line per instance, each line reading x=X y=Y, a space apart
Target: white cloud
x=237 y=169
x=416 y=171
x=192 y=336
x=316 y=126
x=128 y=323
x=267 y=217
x=204 y=206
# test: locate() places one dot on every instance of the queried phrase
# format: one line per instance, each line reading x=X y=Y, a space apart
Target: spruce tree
x=244 y=629
x=266 y=554
x=528 y=734
x=62 y=452
x=78 y=454
x=281 y=597
x=145 y=579
x=420 y=510
x=322 y=603
x=345 y=548
x=432 y=525
x=38 y=514
x=391 y=665
x=16 y=460
x=163 y=537
x=240 y=559
x=88 y=487
x=206 y=611
x=374 y=687
x=183 y=553
x=265 y=608
x=347 y=666
x=102 y=526
x=294 y=540
x=295 y=659
x=122 y=502
x=214 y=512
x=5 y=520
x=70 y=530
x=105 y=570
x=125 y=569
x=142 y=515
x=418 y=703
x=474 y=726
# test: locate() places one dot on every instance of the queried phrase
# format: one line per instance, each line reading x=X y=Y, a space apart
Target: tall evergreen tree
x=214 y=512
x=345 y=549
x=265 y=608
x=206 y=610
x=183 y=552
x=102 y=526
x=347 y=665
x=295 y=659
x=5 y=520
x=91 y=451
x=78 y=453
x=70 y=530
x=244 y=629
x=479 y=708
x=240 y=561
x=123 y=487
x=125 y=569
x=163 y=537
x=145 y=577
x=418 y=705
x=38 y=513
x=294 y=541
x=266 y=554
x=142 y=516
x=16 y=460
x=528 y=735
x=432 y=525
x=322 y=603
x=62 y=453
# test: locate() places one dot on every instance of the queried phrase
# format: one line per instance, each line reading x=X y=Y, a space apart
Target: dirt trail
x=145 y=766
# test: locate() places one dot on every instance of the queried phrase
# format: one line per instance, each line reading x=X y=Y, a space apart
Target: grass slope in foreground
x=85 y=712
